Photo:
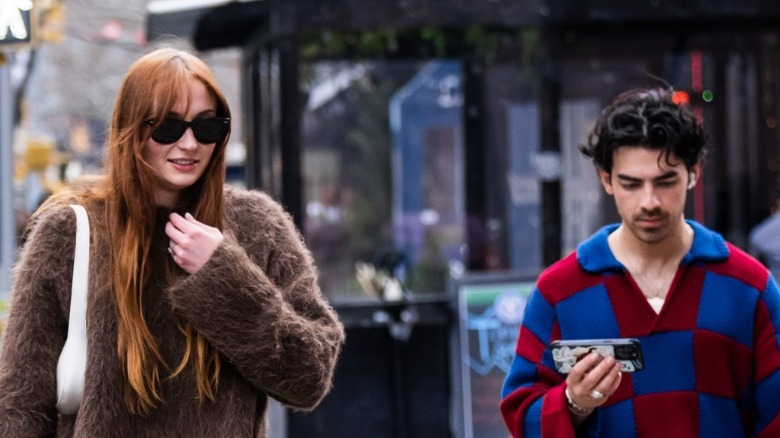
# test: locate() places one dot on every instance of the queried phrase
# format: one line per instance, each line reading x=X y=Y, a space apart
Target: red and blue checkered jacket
x=712 y=355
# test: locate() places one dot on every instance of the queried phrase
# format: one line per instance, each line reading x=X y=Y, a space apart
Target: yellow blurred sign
x=52 y=22
x=38 y=155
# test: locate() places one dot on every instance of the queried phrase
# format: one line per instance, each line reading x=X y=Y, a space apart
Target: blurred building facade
x=421 y=145
x=436 y=140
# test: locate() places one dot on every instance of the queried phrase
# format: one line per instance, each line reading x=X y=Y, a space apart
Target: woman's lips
x=183 y=164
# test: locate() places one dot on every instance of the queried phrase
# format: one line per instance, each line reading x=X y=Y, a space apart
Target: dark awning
x=208 y=24
x=221 y=23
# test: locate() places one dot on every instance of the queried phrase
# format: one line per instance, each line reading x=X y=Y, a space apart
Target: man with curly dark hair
x=705 y=313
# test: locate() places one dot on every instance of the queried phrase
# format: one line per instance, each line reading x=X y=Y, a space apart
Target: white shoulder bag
x=73 y=358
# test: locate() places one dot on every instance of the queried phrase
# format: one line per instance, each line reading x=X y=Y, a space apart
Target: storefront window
x=382 y=176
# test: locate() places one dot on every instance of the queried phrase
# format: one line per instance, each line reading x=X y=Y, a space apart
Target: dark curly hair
x=651 y=118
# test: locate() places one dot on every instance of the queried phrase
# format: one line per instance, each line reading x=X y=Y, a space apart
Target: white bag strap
x=77 y=327
x=72 y=363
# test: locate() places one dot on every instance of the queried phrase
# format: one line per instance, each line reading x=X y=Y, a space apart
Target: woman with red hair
x=203 y=301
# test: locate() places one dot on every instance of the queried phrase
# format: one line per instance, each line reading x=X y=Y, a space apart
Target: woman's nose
x=187 y=140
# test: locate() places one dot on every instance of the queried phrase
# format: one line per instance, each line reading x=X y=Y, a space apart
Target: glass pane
x=512 y=232
x=382 y=147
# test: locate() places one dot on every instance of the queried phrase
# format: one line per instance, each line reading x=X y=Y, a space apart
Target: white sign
x=13 y=25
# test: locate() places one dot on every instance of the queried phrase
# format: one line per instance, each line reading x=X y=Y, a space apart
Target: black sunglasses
x=210 y=130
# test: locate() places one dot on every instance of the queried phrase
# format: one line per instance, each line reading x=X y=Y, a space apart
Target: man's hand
x=592 y=376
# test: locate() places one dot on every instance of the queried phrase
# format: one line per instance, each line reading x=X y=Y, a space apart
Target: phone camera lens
x=625 y=352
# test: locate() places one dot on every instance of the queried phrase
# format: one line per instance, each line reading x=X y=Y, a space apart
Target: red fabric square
x=556 y=331
x=667 y=414
x=548 y=375
x=683 y=307
x=624 y=391
x=556 y=421
x=765 y=347
x=529 y=346
x=634 y=316
x=742 y=267
x=513 y=407
x=564 y=278
x=722 y=365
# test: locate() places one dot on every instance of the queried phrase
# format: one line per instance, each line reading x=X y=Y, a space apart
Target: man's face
x=649 y=192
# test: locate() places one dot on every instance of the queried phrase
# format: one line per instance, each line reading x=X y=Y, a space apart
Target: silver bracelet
x=575 y=408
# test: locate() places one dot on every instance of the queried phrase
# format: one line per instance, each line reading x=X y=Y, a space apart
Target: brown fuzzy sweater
x=256 y=301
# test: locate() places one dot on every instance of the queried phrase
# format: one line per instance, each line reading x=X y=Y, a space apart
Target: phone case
x=627 y=352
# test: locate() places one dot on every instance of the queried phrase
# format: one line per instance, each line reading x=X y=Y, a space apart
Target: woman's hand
x=593 y=380
x=192 y=242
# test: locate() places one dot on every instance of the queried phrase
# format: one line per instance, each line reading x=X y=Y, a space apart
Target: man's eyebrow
x=666 y=175
x=627 y=178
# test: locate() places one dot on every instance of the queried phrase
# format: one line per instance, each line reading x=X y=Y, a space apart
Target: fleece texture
x=256 y=301
x=712 y=355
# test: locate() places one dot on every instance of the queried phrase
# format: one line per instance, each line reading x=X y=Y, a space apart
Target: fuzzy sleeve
x=257 y=301
x=35 y=332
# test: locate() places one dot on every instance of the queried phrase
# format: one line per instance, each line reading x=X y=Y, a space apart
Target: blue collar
x=594 y=254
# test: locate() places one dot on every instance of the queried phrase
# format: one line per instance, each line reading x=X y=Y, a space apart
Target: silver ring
x=596 y=394
x=170 y=247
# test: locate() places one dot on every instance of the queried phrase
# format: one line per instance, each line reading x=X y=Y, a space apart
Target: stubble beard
x=652 y=235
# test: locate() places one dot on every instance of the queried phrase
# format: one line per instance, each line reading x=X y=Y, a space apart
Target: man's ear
x=606 y=181
x=693 y=175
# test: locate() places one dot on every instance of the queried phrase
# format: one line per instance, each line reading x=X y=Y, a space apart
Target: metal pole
x=7 y=216
x=292 y=189
x=549 y=98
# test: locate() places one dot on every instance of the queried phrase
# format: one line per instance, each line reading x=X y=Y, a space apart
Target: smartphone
x=627 y=351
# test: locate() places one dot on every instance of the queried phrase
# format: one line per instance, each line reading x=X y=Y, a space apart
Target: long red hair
x=153 y=83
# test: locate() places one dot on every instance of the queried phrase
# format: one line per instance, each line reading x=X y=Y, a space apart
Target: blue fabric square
x=668 y=364
x=539 y=317
x=547 y=359
x=727 y=307
x=522 y=373
x=719 y=417
x=532 y=425
x=771 y=297
x=618 y=420
x=588 y=314
x=767 y=400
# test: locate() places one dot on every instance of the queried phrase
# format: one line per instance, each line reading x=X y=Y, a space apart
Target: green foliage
x=388 y=42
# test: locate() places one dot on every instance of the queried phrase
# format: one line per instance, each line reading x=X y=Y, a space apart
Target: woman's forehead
x=190 y=94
